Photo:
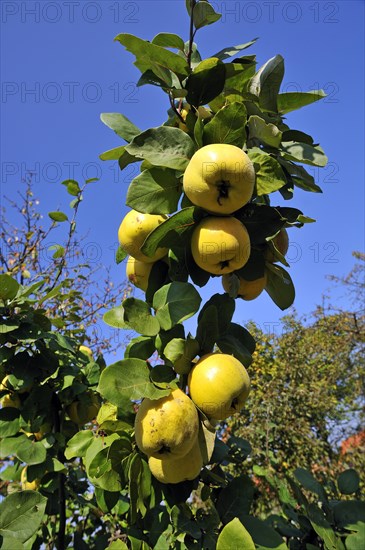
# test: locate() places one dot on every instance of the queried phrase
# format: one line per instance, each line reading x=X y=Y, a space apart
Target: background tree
x=308 y=392
x=74 y=290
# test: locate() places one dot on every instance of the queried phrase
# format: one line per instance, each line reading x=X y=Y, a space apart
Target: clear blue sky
x=61 y=69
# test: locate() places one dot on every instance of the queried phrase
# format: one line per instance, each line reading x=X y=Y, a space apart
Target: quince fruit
x=180 y=469
x=134 y=230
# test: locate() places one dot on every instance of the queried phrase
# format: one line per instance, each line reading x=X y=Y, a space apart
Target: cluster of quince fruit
x=167 y=429
x=220 y=179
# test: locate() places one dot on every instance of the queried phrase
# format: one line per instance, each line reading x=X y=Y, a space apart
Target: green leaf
x=263 y=536
x=232 y=346
x=269 y=174
x=59 y=252
x=9 y=542
x=208 y=328
x=349 y=514
x=8 y=288
x=279 y=286
x=141 y=348
x=204 y=14
x=230 y=51
x=307 y=481
x=266 y=83
x=296 y=100
x=163 y=146
x=9 y=421
x=155 y=191
x=121 y=125
x=21 y=514
x=137 y=314
x=181 y=352
x=117 y=545
x=348 y=482
x=129 y=378
x=268 y=134
x=323 y=528
x=206 y=81
x=151 y=56
x=299 y=176
x=120 y=255
x=305 y=153
x=58 y=216
x=233 y=536
x=355 y=541
x=112 y=154
x=78 y=444
x=235 y=499
x=227 y=126
x=73 y=188
x=175 y=302
x=168 y=231
x=169 y=40
x=225 y=306
x=31 y=452
x=115 y=318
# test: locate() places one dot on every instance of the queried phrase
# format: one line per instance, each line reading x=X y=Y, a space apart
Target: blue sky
x=61 y=69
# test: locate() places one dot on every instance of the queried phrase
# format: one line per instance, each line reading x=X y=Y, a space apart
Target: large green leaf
x=153 y=57
x=175 y=302
x=236 y=499
x=264 y=537
x=299 y=176
x=137 y=314
x=269 y=174
x=204 y=14
x=113 y=154
x=163 y=146
x=115 y=318
x=230 y=51
x=31 y=452
x=208 y=329
x=129 y=378
x=349 y=514
x=268 y=134
x=21 y=514
x=266 y=83
x=169 y=40
x=279 y=286
x=121 y=125
x=168 y=232
x=323 y=528
x=8 y=287
x=305 y=153
x=291 y=101
x=348 y=481
x=142 y=348
x=308 y=481
x=233 y=346
x=355 y=541
x=227 y=126
x=234 y=536
x=155 y=191
x=206 y=81
x=225 y=306
x=78 y=444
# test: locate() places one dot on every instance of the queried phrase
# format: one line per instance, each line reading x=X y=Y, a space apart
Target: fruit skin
x=11 y=400
x=86 y=351
x=133 y=231
x=220 y=245
x=180 y=469
x=219 y=385
x=248 y=290
x=138 y=272
x=84 y=411
x=28 y=485
x=281 y=242
x=219 y=178
x=167 y=427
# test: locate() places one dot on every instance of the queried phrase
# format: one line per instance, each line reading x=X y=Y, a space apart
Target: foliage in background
x=74 y=289
x=308 y=394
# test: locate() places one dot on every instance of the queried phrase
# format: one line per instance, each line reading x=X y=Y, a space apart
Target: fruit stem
x=223 y=187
